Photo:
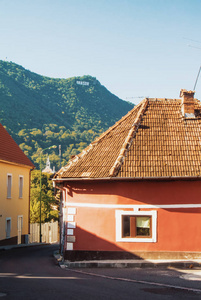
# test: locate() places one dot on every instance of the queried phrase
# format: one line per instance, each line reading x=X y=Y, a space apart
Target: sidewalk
x=132 y=263
x=8 y=247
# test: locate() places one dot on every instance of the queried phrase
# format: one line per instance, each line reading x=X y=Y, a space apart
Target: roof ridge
x=92 y=144
x=116 y=124
x=128 y=141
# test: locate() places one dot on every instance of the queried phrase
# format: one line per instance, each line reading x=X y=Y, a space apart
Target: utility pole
x=60 y=156
x=40 y=233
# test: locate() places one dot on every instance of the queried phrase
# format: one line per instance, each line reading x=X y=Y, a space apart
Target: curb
x=126 y=264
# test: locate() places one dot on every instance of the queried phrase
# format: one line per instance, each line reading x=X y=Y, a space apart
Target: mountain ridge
x=39 y=111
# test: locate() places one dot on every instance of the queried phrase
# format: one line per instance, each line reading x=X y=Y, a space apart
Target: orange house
x=136 y=190
x=15 y=170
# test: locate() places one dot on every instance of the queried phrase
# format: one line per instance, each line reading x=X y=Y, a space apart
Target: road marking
x=138 y=281
x=29 y=276
x=2 y=295
x=40 y=277
x=193 y=277
x=7 y=274
x=190 y=274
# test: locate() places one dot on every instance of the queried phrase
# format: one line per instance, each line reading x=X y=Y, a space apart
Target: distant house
x=136 y=190
x=14 y=191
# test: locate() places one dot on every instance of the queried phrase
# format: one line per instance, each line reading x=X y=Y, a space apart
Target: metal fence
x=49 y=232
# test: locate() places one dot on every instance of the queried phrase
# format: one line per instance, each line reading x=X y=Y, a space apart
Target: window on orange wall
x=21 y=182
x=136 y=226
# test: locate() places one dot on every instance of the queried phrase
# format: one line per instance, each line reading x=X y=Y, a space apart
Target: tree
x=49 y=204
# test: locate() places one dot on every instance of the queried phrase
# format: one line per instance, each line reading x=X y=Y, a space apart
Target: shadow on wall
x=95 y=248
x=142 y=191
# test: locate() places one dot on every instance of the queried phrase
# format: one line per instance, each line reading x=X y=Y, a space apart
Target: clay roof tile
x=153 y=140
x=10 y=151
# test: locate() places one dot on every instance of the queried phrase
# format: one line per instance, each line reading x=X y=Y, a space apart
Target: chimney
x=187 y=103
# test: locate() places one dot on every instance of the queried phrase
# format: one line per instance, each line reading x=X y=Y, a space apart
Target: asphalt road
x=32 y=273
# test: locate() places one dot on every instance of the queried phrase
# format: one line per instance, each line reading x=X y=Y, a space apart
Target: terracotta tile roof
x=152 y=140
x=10 y=151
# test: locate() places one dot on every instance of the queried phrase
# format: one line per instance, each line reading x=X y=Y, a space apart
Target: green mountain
x=39 y=111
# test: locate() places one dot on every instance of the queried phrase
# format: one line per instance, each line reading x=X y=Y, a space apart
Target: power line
x=194 y=47
x=191 y=40
x=197 y=78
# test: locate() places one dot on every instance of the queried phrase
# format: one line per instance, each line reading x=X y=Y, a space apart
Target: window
x=136 y=226
x=8 y=227
x=21 y=186
x=9 y=185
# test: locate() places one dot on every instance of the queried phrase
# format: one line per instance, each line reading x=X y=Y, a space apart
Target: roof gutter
x=32 y=167
x=168 y=178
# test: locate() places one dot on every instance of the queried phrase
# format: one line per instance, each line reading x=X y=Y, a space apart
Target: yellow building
x=15 y=169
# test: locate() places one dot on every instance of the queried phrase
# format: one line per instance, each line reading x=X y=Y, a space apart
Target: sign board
x=82 y=82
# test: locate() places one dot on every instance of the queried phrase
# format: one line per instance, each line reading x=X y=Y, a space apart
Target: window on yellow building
x=9 y=185
x=21 y=179
x=8 y=227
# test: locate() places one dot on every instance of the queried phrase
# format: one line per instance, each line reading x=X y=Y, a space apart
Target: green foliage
x=40 y=111
x=49 y=205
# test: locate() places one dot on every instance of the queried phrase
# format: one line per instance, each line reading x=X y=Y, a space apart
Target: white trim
x=71 y=225
x=70 y=218
x=70 y=231
x=69 y=246
x=20 y=216
x=120 y=213
x=135 y=207
x=19 y=228
x=72 y=211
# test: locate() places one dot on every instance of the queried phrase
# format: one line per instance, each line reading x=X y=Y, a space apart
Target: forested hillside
x=39 y=111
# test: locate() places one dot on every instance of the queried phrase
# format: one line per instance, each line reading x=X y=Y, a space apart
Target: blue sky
x=136 y=48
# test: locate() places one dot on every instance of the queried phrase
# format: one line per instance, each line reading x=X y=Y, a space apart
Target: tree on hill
x=49 y=204
x=39 y=111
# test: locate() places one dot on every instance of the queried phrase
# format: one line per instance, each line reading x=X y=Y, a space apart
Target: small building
x=15 y=170
x=136 y=190
x=48 y=169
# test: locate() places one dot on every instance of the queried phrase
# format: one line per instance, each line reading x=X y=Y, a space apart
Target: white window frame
x=19 y=229
x=9 y=192
x=21 y=180
x=8 y=236
x=152 y=214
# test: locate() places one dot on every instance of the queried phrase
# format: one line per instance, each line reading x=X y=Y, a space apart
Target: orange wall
x=177 y=229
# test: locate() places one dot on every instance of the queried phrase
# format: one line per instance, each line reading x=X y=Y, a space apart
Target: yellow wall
x=15 y=206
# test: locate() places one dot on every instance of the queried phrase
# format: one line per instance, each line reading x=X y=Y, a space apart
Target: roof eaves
x=29 y=166
x=168 y=178
x=74 y=160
